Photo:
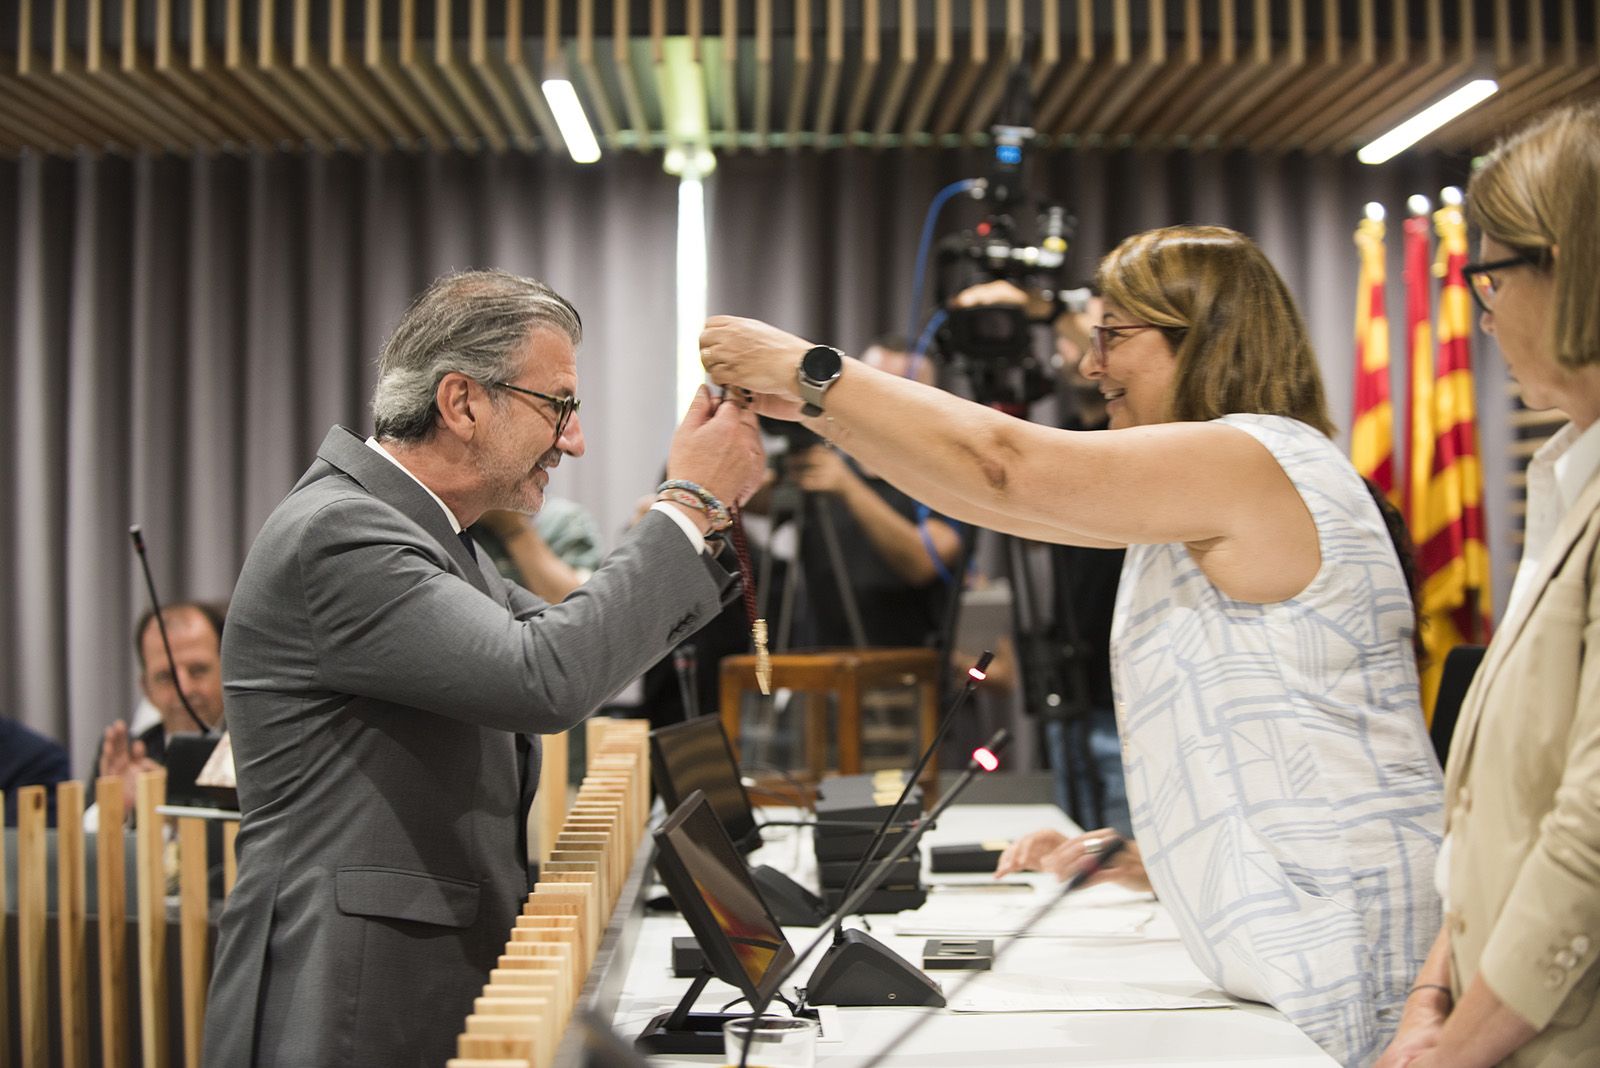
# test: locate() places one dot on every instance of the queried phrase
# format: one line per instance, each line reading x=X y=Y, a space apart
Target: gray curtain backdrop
x=177 y=335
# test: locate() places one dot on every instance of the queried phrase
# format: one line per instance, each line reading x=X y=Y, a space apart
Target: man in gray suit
x=381 y=680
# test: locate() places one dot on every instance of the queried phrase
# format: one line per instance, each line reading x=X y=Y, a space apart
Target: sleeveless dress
x=1283 y=788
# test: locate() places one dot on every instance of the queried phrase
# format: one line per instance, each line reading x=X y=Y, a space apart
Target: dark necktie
x=472 y=549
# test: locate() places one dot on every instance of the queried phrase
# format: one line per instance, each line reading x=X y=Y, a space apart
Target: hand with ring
x=1061 y=856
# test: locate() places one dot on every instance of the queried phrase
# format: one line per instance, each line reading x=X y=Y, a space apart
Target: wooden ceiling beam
x=1136 y=79
x=519 y=67
x=1059 y=96
x=832 y=69
x=992 y=88
x=1302 y=119
x=381 y=66
x=800 y=76
x=899 y=77
x=627 y=77
x=462 y=82
x=496 y=80
x=867 y=71
x=958 y=91
x=1175 y=77
x=933 y=71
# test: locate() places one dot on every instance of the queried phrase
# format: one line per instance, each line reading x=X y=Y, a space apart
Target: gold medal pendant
x=758 y=632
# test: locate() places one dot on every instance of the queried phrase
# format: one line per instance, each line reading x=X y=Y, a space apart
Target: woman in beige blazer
x=1512 y=977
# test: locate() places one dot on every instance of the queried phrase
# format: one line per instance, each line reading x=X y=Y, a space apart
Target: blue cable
x=940 y=199
x=920 y=349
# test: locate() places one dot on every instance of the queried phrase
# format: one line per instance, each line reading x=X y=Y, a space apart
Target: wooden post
x=110 y=880
x=5 y=961
x=32 y=968
x=230 y=855
x=150 y=793
x=550 y=804
x=193 y=864
x=71 y=920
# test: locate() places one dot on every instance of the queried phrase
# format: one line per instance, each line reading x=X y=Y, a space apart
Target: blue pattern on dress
x=1282 y=785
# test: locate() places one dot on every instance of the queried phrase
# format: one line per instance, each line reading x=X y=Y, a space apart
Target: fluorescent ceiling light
x=1428 y=120
x=575 y=129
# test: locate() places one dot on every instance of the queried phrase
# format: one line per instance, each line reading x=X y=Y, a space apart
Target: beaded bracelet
x=693 y=495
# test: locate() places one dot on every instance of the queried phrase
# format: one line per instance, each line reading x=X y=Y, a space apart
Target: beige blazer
x=1522 y=805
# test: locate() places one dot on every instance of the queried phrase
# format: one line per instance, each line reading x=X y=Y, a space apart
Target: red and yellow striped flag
x=1372 y=422
x=1447 y=519
x=1419 y=359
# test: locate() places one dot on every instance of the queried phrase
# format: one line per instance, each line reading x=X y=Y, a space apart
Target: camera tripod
x=792 y=504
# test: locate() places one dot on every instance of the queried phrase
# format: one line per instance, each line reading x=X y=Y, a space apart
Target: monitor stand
x=682 y=1031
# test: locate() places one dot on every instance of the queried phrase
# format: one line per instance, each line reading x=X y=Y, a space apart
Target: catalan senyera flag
x=1419 y=359
x=1447 y=518
x=1372 y=425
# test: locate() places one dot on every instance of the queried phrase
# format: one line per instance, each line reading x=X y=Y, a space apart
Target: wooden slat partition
x=33 y=988
x=152 y=912
x=529 y=999
x=5 y=957
x=71 y=922
x=194 y=932
x=112 y=910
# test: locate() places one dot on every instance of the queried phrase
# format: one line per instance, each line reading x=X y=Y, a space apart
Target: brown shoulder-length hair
x=1238 y=337
x=1538 y=191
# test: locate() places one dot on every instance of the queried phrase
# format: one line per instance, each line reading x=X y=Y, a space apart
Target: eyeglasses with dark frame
x=566 y=407
x=1481 y=282
x=1098 y=344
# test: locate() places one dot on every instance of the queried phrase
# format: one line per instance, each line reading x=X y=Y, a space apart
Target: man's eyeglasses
x=1482 y=282
x=566 y=407
x=1098 y=337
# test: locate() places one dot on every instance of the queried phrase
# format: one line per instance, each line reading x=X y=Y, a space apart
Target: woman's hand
x=1061 y=856
x=754 y=355
x=988 y=294
x=1420 y=1027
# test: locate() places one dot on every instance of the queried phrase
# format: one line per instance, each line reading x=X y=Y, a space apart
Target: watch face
x=821 y=364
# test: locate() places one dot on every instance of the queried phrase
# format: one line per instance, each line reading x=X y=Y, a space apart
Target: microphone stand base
x=859 y=970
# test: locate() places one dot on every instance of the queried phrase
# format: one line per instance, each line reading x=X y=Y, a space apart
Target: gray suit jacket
x=376 y=678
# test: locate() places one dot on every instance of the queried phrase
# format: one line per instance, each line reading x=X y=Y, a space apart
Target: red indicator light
x=983 y=229
x=976 y=674
x=986 y=760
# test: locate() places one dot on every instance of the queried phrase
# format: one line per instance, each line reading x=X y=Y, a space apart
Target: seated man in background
x=28 y=758
x=194 y=629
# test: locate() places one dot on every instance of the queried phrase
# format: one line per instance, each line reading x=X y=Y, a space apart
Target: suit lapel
x=1511 y=628
x=344 y=449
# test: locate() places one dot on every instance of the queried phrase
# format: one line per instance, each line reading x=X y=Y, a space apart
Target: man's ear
x=460 y=402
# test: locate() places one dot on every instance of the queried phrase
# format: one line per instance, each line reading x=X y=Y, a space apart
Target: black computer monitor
x=695 y=755
x=740 y=940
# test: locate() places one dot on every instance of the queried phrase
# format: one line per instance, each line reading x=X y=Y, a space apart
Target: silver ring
x=1092 y=846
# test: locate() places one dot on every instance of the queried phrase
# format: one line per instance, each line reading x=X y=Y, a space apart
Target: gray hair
x=471 y=322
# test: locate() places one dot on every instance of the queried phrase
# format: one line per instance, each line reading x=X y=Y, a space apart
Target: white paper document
x=1107 y=912
x=1010 y=992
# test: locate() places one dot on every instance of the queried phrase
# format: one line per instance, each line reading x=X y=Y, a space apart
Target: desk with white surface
x=1244 y=1034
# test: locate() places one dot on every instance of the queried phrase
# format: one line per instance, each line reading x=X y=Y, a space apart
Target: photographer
x=1281 y=780
x=897 y=556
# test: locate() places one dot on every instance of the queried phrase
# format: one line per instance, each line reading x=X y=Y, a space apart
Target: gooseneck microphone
x=161 y=625
x=861 y=959
x=834 y=960
x=975 y=674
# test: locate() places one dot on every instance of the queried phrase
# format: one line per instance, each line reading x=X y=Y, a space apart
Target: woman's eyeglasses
x=1481 y=280
x=1098 y=333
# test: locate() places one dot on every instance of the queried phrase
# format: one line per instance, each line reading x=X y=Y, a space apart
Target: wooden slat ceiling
x=1273 y=76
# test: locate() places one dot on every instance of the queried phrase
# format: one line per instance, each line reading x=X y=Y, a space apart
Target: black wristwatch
x=819 y=368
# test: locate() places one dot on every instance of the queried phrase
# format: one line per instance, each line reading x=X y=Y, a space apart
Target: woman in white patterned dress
x=1284 y=794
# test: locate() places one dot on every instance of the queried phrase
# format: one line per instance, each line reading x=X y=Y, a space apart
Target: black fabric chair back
x=1459 y=667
